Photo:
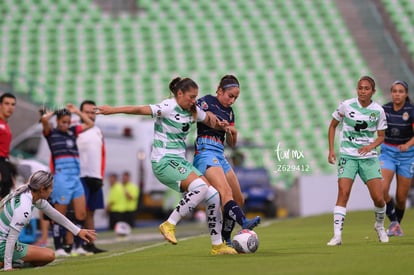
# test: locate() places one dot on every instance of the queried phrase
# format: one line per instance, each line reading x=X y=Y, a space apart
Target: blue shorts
x=205 y=159
x=66 y=187
x=402 y=163
x=93 y=193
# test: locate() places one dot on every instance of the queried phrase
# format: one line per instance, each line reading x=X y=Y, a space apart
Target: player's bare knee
x=49 y=255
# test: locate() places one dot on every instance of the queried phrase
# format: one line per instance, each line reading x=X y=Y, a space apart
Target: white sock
x=196 y=193
x=214 y=215
x=339 y=218
x=379 y=216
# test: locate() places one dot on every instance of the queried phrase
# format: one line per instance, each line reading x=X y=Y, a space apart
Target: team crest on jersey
x=405 y=116
x=158 y=113
x=204 y=105
x=372 y=117
x=215 y=160
x=182 y=170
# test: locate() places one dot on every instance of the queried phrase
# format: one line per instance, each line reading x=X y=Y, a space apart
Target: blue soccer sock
x=58 y=235
x=399 y=213
x=391 y=211
x=233 y=211
x=228 y=226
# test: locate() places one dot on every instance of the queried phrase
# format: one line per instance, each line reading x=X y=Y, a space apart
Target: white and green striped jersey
x=16 y=213
x=171 y=127
x=359 y=126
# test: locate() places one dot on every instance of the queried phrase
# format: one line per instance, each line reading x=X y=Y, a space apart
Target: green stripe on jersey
x=158 y=127
x=175 y=145
x=181 y=111
x=158 y=143
x=175 y=136
x=169 y=122
x=3 y=218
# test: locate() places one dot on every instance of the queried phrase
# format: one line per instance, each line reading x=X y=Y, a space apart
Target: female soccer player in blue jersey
x=361 y=119
x=65 y=164
x=16 y=211
x=397 y=153
x=173 y=118
x=209 y=155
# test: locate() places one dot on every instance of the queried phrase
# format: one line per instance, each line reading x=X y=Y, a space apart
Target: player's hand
x=103 y=110
x=223 y=124
x=332 y=158
x=365 y=150
x=71 y=108
x=403 y=147
x=87 y=235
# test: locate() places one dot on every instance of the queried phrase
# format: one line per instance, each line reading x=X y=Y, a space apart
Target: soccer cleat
x=168 y=231
x=382 y=235
x=90 y=247
x=335 y=241
x=61 y=253
x=394 y=229
x=222 y=249
x=229 y=242
x=250 y=224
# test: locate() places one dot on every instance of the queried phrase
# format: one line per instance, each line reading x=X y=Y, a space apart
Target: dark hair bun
x=173 y=84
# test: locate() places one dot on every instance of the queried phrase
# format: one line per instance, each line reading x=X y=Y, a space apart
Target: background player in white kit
x=15 y=213
x=360 y=118
x=91 y=148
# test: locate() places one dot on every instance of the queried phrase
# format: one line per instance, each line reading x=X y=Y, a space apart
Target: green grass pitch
x=289 y=246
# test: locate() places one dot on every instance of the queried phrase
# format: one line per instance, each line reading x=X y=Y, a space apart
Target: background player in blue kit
x=397 y=153
x=65 y=164
x=209 y=155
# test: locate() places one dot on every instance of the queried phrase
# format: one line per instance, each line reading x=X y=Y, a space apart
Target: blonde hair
x=38 y=180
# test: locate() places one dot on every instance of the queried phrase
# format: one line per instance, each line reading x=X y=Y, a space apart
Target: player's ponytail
x=183 y=85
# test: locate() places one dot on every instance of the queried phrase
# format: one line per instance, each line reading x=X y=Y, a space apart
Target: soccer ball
x=246 y=241
x=122 y=229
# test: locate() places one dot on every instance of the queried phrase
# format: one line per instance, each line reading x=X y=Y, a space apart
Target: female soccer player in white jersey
x=361 y=118
x=173 y=118
x=15 y=213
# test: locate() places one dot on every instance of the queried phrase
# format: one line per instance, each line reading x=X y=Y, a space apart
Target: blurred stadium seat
x=295 y=60
x=401 y=13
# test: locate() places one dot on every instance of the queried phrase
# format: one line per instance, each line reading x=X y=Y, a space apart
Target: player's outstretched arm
x=130 y=110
